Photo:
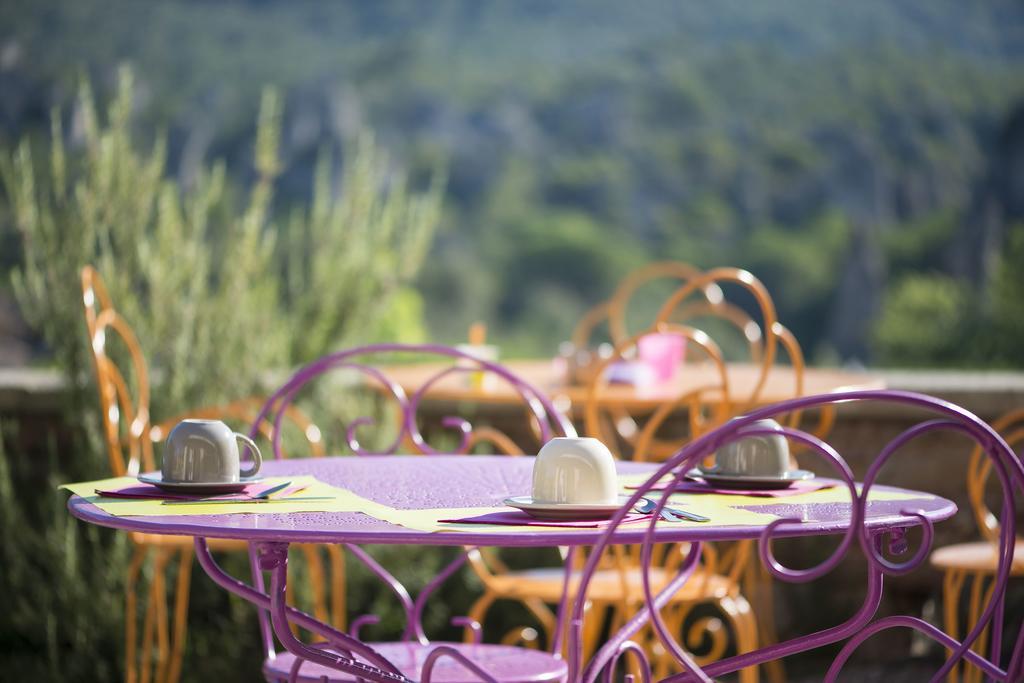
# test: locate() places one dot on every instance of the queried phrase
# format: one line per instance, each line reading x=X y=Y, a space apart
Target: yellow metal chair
x=974 y=564
x=129 y=436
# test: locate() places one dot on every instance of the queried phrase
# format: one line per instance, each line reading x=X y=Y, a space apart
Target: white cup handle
x=256 y=457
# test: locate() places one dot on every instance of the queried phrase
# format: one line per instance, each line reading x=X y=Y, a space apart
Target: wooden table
x=743 y=377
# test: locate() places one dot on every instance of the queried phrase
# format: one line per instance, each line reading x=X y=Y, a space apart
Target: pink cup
x=663 y=352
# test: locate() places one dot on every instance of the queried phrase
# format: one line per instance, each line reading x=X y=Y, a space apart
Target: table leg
x=274 y=557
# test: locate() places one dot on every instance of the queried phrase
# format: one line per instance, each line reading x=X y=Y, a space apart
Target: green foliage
x=936 y=320
x=917 y=244
x=723 y=135
x=197 y=278
x=345 y=258
x=923 y=321
x=799 y=263
x=195 y=303
x=1005 y=340
x=60 y=627
x=218 y=297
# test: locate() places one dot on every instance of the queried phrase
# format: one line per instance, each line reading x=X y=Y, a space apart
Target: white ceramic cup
x=574 y=470
x=206 y=451
x=754 y=456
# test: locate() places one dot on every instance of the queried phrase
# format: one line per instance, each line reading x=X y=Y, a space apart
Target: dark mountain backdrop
x=866 y=160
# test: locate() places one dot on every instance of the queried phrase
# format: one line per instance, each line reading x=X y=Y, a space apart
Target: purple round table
x=460 y=481
x=430 y=482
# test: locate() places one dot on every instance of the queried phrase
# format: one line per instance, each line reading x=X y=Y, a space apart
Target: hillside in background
x=866 y=160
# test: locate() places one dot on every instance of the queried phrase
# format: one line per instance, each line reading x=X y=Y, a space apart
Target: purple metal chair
x=944 y=417
x=414 y=657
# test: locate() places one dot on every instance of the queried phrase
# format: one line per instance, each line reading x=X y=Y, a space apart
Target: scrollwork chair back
x=972 y=564
x=542 y=419
x=944 y=416
x=122 y=380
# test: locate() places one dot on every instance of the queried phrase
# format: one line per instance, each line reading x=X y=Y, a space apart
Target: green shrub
x=219 y=291
x=923 y=321
x=200 y=280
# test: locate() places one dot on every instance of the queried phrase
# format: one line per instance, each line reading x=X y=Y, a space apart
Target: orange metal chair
x=764 y=340
x=701 y=297
x=978 y=560
x=129 y=436
x=727 y=568
x=613 y=312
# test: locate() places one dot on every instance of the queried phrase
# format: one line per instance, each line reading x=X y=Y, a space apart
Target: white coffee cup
x=206 y=451
x=574 y=470
x=754 y=456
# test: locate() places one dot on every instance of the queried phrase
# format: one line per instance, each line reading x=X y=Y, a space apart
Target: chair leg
x=594 y=614
x=181 y=597
x=315 y=567
x=337 y=558
x=548 y=620
x=662 y=662
x=160 y=598
x=131 y=612
x=766 y=633
x=973 y=674
x=289 y=598
x=952 y=585
x=744 y=624
x=478 y=612
x=148 y=629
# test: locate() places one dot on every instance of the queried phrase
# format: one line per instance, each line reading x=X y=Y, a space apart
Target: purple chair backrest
x=945 y=416
x=545 y=418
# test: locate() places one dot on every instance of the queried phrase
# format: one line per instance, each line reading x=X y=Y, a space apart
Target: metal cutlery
x=669 y=514
x=247 y=501
x=272 y=490
x=230 y=497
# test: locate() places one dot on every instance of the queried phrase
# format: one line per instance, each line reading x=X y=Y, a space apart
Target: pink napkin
x=146 y=491
x=520 y=518
x=797 y=488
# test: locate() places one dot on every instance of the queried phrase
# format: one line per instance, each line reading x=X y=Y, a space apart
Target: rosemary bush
x=216 y=293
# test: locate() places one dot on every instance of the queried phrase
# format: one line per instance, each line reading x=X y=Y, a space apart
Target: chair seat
x=606 y=585
x=979 y=557
x=507 y=664
x=167 y=541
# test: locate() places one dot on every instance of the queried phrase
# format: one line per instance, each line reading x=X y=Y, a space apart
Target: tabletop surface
x=426 y=482
x=743 y=378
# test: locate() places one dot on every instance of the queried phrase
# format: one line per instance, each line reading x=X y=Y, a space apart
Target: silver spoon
x=646 y=506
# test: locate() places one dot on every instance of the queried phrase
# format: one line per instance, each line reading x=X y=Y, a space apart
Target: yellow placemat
x=836 y=494
x=428 y=520
x=338 y=500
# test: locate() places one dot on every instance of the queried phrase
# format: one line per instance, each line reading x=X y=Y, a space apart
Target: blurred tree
x=923 y=322
x=682 y=131
x=1006 y=340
